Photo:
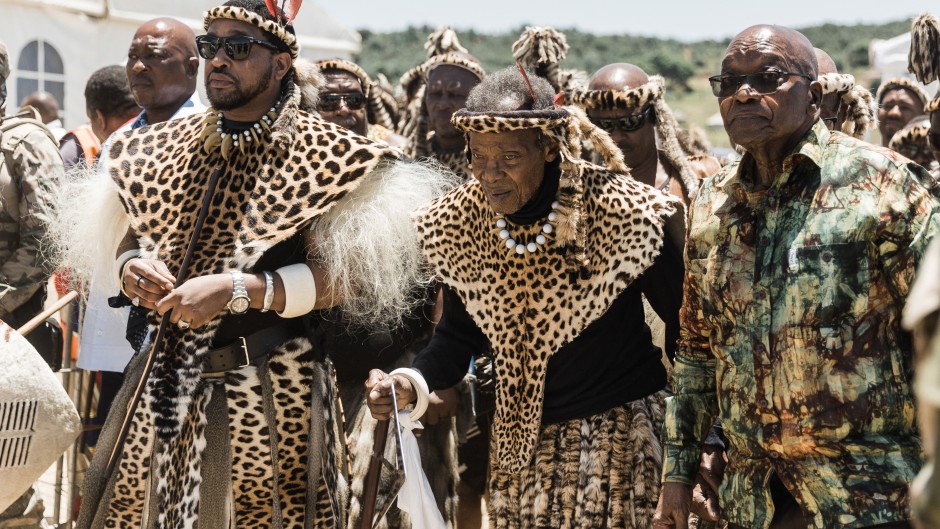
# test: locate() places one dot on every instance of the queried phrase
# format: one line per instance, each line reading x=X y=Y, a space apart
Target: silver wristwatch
x=268 y=291
x=240 y=300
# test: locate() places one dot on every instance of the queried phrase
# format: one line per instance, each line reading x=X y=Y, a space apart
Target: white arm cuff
x=300 y=290
x=421 y=389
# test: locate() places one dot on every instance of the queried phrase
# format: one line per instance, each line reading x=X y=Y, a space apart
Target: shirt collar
x=810 y=147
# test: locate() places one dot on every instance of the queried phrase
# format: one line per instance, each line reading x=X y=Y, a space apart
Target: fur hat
x=915 y=134
x=568 y=126
x=542 y=49
x=924 y=58
x=667 y=128
x=861 y=112
x=902 y=82
x=283 y=32
x=442 y=41
x=376 y=111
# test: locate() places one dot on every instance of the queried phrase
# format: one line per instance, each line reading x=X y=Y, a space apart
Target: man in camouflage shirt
x=29 y=167
x=798 y=261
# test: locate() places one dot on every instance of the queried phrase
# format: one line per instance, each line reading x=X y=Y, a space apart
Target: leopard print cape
x=264 y=196
x=529 y=305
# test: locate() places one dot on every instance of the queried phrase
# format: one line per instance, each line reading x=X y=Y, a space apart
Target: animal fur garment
x=924 y=58
x=505 y=292
x=860 y=109
x=443 y=40
x=542 y=49
x=600 y=471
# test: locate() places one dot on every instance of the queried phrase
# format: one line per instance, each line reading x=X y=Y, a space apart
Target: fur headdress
x=542 y=49
x=667 y=128
x=568 y=127
x=413 y=124
x=861 y=112
x=902 y=82
x=282 y=29
x=910 y=135
x=924 y=58
x=442 y=41
x=377 y=111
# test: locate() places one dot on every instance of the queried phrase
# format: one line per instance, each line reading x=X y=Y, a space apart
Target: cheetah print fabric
x=527 y=305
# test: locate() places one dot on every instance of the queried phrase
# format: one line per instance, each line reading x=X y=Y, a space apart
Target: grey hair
x=506 y=90
x=370 y=247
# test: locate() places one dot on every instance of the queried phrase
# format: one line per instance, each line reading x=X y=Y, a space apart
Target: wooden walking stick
x=44 y=315
x=370 y=491
x=158 y=339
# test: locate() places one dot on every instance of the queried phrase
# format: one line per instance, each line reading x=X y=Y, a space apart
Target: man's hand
x=675 y=502
x=197 y=301
x=711 y=470
x=379 y=393
x=148 y=280
x=442 y=405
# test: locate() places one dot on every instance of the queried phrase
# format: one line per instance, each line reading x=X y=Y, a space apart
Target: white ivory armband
x=421 y=389
x=300 y=290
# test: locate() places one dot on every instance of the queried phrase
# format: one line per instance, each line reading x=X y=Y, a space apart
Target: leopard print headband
x=378 y=111
x=912 y=136
x=934 y=105
x=836 y=83
x=620 y=99
x=902 y=82
x=243 y=15
x=453 y=59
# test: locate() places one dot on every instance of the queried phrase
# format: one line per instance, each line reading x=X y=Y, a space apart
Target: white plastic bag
x=416 y=497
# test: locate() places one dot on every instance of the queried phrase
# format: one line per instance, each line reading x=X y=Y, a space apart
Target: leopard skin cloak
x=264 y=196
x=527 y=305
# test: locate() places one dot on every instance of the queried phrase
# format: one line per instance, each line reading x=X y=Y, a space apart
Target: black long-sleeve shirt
x=612 y=362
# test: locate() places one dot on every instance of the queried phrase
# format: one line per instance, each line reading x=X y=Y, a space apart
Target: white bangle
x=421 y=389
x=268 y=291
x=121 y=264
x=300 y=290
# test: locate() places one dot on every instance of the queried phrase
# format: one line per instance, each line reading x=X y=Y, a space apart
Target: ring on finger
x=183 y=324
x=139 y=279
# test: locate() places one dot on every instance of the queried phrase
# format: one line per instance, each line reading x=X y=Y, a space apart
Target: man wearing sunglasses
x=239 y=410
x=630 y=106
x=799 y=258
x=846 y=106
x=350 y=99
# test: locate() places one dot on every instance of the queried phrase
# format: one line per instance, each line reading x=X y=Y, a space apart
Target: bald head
x=618 y=76
x=796 y=51
x=45 y=103
x=824 y=62
x=162 y=67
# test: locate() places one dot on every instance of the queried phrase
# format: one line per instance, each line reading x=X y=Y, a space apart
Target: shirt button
x=827 y=257
x=760 y=294
x=774 y=454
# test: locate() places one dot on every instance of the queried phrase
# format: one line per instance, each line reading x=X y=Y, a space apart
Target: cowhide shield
x=38 y=421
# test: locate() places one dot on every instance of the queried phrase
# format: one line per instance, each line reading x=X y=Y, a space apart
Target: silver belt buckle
x=244 y=347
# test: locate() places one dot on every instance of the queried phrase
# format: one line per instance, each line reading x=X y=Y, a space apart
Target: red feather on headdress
x=272 y=7
x=526 y=77
x=293 y=7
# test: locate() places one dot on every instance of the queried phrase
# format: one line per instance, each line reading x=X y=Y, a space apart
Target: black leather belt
x=246 y=350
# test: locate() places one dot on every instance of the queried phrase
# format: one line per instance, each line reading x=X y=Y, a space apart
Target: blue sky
x=682 y=19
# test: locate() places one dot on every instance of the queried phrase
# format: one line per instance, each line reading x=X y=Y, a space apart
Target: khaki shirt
x=29 y=169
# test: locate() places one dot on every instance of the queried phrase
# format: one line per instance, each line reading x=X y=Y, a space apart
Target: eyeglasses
x=332 y=102
x=627 y=124
x=237 y=48
x=763 y=82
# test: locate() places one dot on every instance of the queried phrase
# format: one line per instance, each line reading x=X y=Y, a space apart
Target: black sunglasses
x=332 y=102
x=763 y=82
x=627 y=124
x=238 y=48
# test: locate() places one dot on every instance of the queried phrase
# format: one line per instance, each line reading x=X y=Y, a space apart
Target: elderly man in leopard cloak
x=238 y=424
x=544 y=257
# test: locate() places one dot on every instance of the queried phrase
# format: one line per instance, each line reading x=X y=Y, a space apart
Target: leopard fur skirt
x=600 y=471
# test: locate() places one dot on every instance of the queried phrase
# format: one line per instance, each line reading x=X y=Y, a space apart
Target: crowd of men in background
x=768 y=367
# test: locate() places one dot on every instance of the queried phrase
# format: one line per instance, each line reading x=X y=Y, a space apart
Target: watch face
x=240 y=305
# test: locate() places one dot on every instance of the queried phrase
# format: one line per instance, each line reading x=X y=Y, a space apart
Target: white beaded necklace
x=520 y=247
x=216 y=136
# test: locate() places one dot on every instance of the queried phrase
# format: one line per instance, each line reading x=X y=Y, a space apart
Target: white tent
x=55 y=45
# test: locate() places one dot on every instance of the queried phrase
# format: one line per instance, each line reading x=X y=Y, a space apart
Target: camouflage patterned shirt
x=790 y=331
x=30 y=167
